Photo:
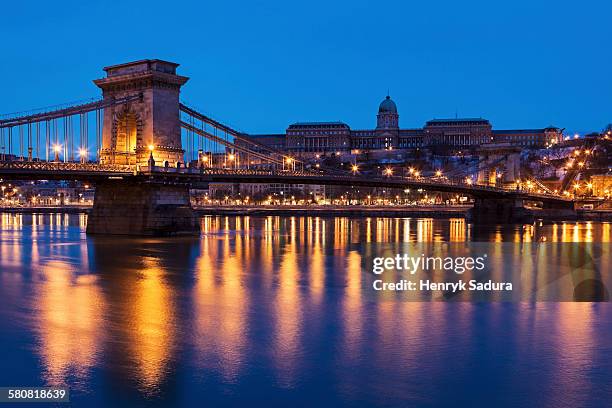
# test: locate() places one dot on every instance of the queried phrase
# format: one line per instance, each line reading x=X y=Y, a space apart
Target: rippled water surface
x=271 y=310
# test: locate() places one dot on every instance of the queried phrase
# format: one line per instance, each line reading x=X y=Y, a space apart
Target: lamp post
x=83 y=155
x=151 y=161
x=57 y=148
x=290 y=163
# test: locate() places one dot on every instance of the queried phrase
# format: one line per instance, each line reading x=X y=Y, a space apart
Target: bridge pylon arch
x=157 y=112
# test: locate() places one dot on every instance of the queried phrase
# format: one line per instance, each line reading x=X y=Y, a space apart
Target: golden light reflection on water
x=221 y=305
x=292 y=265
x=352 y=313
x=70 y=312
x=287 y=305
x=151 y=312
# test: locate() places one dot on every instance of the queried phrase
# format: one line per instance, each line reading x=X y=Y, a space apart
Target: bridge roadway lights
x=126 y=207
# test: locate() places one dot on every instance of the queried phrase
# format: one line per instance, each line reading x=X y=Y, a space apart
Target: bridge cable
x=10 y=141
x=38 y=140
x=47 y=140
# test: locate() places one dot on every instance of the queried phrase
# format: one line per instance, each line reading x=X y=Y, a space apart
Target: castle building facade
x=311 y=138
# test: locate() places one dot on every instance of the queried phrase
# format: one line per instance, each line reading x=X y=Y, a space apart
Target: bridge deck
x=93 y=172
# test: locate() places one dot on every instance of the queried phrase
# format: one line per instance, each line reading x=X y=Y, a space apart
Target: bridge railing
x=64 y=166
x=425 y=181
x=72 y=167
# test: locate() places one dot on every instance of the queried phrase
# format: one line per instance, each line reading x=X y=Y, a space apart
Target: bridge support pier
x=136 y=208
x=499 y=211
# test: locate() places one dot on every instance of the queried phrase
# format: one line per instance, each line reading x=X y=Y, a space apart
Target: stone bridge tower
x=152 y=121
x=495 y=158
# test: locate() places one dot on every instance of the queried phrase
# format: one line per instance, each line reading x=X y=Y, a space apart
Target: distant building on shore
x=309 y=138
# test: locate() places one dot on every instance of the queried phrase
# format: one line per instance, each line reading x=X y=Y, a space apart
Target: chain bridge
x=143 y=149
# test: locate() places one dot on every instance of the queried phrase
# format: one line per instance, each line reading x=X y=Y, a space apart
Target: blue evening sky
x=260 y=65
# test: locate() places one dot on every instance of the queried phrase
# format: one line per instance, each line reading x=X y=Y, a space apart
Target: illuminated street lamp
x=290 y=162
x=388 y=171
x=151 y=161
x=354 y=168
x=57 y=148
x=83 y=154
x=469 y=181
x=438 y=173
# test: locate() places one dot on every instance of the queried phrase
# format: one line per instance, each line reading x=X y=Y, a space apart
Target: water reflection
x=262 y=306
x=69 y=310
x=150 y=312
x=221 y=304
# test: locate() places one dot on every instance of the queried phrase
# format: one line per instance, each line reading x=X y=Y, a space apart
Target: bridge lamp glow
x=417 y=174
x=57 y=148
x=289 y=160
x=469 y=181
x=82 y=152
x=355 y=168
x=411 y=170
x=590 y=185
x=581 y=164
x=204 y=158
x=151 y=147
x=438 y=173
x=576 y=186
x=388 y=171
x=231 y=157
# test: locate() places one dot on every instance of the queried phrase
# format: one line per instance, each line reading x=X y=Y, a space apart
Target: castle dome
x=387 y=106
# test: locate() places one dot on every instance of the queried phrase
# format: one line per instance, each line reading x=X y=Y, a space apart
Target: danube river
x=272 y=309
